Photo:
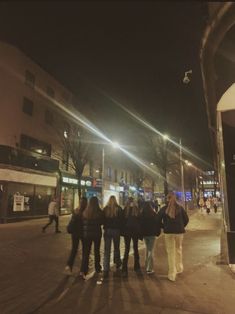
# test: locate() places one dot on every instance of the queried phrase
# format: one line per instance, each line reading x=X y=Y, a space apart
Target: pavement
x=32 y=279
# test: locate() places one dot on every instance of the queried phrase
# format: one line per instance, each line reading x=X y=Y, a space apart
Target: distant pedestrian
x=201 y=204
x=208 y=206
x=75 y=229
x=112 y=227
x=156 y=205
x=174 y=219
x=53 y=213
x=150 y=229
x=215 y=204
x=92 y=219
x=131 y=231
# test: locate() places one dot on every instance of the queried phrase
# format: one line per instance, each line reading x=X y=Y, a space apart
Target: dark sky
x=136 y=52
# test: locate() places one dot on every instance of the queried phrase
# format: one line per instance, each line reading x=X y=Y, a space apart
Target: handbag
x=71 y=225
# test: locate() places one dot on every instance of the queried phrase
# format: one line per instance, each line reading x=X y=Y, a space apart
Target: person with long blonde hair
x=174 y=219
x=112 y=228
x=131 y=231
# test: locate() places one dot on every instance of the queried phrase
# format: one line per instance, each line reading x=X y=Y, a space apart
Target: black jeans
x=127 y=240
x=87 y=242
x=51 y=219
x=109 y=236
x=75 y=243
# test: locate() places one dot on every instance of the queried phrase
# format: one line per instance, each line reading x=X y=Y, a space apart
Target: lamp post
x=103 y=174
x=182 y=173
x=114 y=145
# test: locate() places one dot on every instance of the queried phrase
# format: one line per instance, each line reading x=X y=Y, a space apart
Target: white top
x=53 y=208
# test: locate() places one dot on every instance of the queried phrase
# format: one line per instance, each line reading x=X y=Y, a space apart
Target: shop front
x=24 y=194
x=69 y=191
x=111 y=189
x=28 y=181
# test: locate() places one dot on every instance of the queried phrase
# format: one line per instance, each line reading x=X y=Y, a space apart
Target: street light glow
x=151 y=164
x=116 y=145
x=166 y=137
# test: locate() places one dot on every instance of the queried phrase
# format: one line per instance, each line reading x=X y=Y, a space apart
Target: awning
x=227 y=101
x=24 y=177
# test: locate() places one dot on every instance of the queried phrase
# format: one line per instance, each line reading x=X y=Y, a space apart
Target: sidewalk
x=204 y=287
x=31 y=280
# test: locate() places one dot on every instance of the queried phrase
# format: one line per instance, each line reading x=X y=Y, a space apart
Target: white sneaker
x=179 y=271
x=171 y=278
x=149 y=272
x=67 y=270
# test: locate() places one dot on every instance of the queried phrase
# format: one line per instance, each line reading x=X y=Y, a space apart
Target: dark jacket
x=114 y=222
x=176 y=225
x=150 y=226
x=131 y=225
x=75 y=226
x=92 y=227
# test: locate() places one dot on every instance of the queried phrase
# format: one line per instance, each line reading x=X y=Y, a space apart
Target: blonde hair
x=172 y=207
x=111 y=209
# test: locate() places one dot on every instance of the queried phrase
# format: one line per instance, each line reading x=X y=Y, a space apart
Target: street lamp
x=114 y=145
x=167 y=138
x=182 y=173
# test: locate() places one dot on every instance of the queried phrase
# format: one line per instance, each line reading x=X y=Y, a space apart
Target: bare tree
x=76 y=144
x=163 y=155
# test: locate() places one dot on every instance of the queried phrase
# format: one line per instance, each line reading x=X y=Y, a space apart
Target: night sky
x=136 y=52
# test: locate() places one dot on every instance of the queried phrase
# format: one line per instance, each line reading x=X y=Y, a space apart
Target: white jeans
x=174 y=253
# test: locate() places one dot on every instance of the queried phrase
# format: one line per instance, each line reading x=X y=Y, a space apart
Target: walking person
x=53 y=213
x=174 y=219
x=75 y=229
x=150 y=229
x=208 y=206
x=215 y=204
x=131 y=231
x=201 y=204
x=112 y=228
x=92 y=219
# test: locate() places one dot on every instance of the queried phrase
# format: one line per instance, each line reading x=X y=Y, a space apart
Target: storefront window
x=20 y=197
x=67 y=194
x=43 y=195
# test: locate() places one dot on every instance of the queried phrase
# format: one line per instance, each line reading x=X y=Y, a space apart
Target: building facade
x=217 y=66
x=34 y=165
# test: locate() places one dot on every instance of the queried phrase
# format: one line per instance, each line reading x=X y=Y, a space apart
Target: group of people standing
x=134 y=223
x=208 y=203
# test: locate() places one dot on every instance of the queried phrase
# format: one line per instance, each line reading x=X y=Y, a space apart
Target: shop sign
x=75 y=181
x=132 y=188
x=97 y=183
x=18 y=203
x=70 y=180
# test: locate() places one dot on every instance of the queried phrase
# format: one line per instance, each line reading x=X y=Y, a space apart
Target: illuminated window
x=35 y=145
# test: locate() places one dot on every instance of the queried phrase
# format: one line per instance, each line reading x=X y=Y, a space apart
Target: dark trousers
x=51 y=219
x=87 y=242
x=75 y=244
x=109 y=236
x=127 y=240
